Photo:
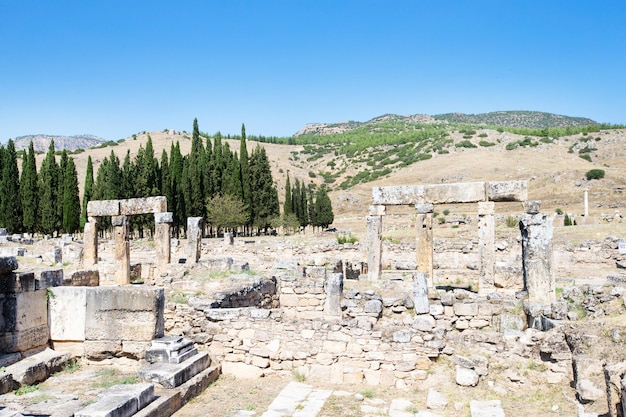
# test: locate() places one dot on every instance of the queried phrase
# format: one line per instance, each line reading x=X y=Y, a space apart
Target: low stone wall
x=378 y=340
x=102 y=322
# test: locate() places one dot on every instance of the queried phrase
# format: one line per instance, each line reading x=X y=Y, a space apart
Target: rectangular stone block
x=143 y=205
x=396 y=195
x=507 y=191
x=172 y=375
x=462 y=192
x=23 y=340
x=466 y=309
x=67 y=308
x=23 y=311
x=48 y=278
x=7 y=264
x=166 y=217
x=377 y=210
x=17 y=282
x=99 y=208
x=124 y=313
x=84 y=278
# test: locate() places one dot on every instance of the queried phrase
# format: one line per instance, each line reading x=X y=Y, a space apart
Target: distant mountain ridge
x=71 y=143
x=513 y=118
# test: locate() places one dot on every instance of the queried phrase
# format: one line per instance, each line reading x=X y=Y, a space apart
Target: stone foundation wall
x=378 y=340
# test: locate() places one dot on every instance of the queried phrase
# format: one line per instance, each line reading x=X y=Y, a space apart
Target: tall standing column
x=374 y=242
x=162 y=239
x=424 y=243
x=333 y=287
x=122 y=249
x=586 y=202
x=537 y=255
x=194 y=239
x=90 y=251
x=486 y=244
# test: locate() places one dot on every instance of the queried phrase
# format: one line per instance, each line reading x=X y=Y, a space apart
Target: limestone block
x=124 y=313
x=489 y=408
x=8 y=264
x=436 y=400
x=466 y=377
x=395 y=195
x=17 y=282
x=102 y=349
x=99 y=208
x=23 y=340
x=463 y=192
x=48 y=278
x=67 y=308
x=23 y=311
x=466 y=309
x=146 y=205
x=166 y=217
x=84 y=278
x=377 y=210
x=242 y=370
x=507 y=190
x=194 y=239
x=532 y=206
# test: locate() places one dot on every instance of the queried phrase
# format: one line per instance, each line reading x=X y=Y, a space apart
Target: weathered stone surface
x=124 y=313
x=38 y=367
x=120 y=401
x=537 y=258
x=588 y=391
x=17 y=282
x=166 y=217
x=507 y=190
x=242 y=370
x=424 y=323
x=122 y=249
x=99 y=208
x=377 y=210
x=333 y=287
x=465 y=309
x=436 y=400
x=171 y=375
x=395 y=195
x=90 y=239
x=194 y=239
x=466 y=377
x=146 y=205
x=463 y=192
x=374 y=247
x=84 y=278
x=67 y=309
x=8 y=264
x=48 y=278
x=490 y=408
x=420 y=293
x=162 y=242
x=374 y=306
x=424 y=245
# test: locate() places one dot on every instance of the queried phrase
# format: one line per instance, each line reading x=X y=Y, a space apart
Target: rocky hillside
x=71 y=143
x=527 y=119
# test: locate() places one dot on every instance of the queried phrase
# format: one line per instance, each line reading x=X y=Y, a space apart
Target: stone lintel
x=460 y=192
x=532 y=206
x=377 y=210
x=143 y=205
x=507 y=190
x=99 y=208
x=398 y=195
x=486 y=208
x=166 y=217
x=119 y=221
x=424 y=208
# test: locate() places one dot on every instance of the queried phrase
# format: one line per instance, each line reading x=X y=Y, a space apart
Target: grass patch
x=109 y=377
x=299 y=376
x=346 y=238
x=26 y=389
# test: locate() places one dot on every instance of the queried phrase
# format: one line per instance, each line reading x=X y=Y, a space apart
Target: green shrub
x=446 y=212
x=482 y=135
x=349 y=238
x=465 y=144
x=567 y=221
x=486 y=144
x=559 y=211
x=586 y=157
x=312 y=174
x=511 y=221
x=595 y=174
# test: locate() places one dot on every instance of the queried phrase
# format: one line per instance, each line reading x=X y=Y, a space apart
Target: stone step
x=171 y=375
x=492 y=408
x=8 y=412
x=38 y=367
x=120 y=401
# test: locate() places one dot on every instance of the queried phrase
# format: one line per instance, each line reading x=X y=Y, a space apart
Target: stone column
x=420 y=293
x=374 y=242
x=333 y=287
x=486 y=244
x=122 y=249
x=537 y=255
x=194 y=239
x=162 y=238
x=229 y=239
x=586 y=202
x=424 y=243
x=90 y=251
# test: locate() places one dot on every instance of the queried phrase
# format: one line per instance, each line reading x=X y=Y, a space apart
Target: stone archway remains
x=538 y=277
x=119 y=210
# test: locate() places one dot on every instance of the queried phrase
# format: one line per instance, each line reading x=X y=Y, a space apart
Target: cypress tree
x=244 y=169
x=29 y=190
x=288 y=206
x=195 y=199
x=71 y=199
x=87 y=191
x=166 y=180
x=323 y=209
x=48 y=187
x=218 y=163
x=129 y=176
x=11 y=205
x=265 y=199
x=178 y=199
x=60 y=191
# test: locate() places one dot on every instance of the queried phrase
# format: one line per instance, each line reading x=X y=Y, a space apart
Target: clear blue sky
x=113 y=68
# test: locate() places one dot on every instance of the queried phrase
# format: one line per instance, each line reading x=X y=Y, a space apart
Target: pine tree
x=288 y=206
x=71 y=199
x=244 y=169
x=11 y=204
x=48 y=190
x=29 y=190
